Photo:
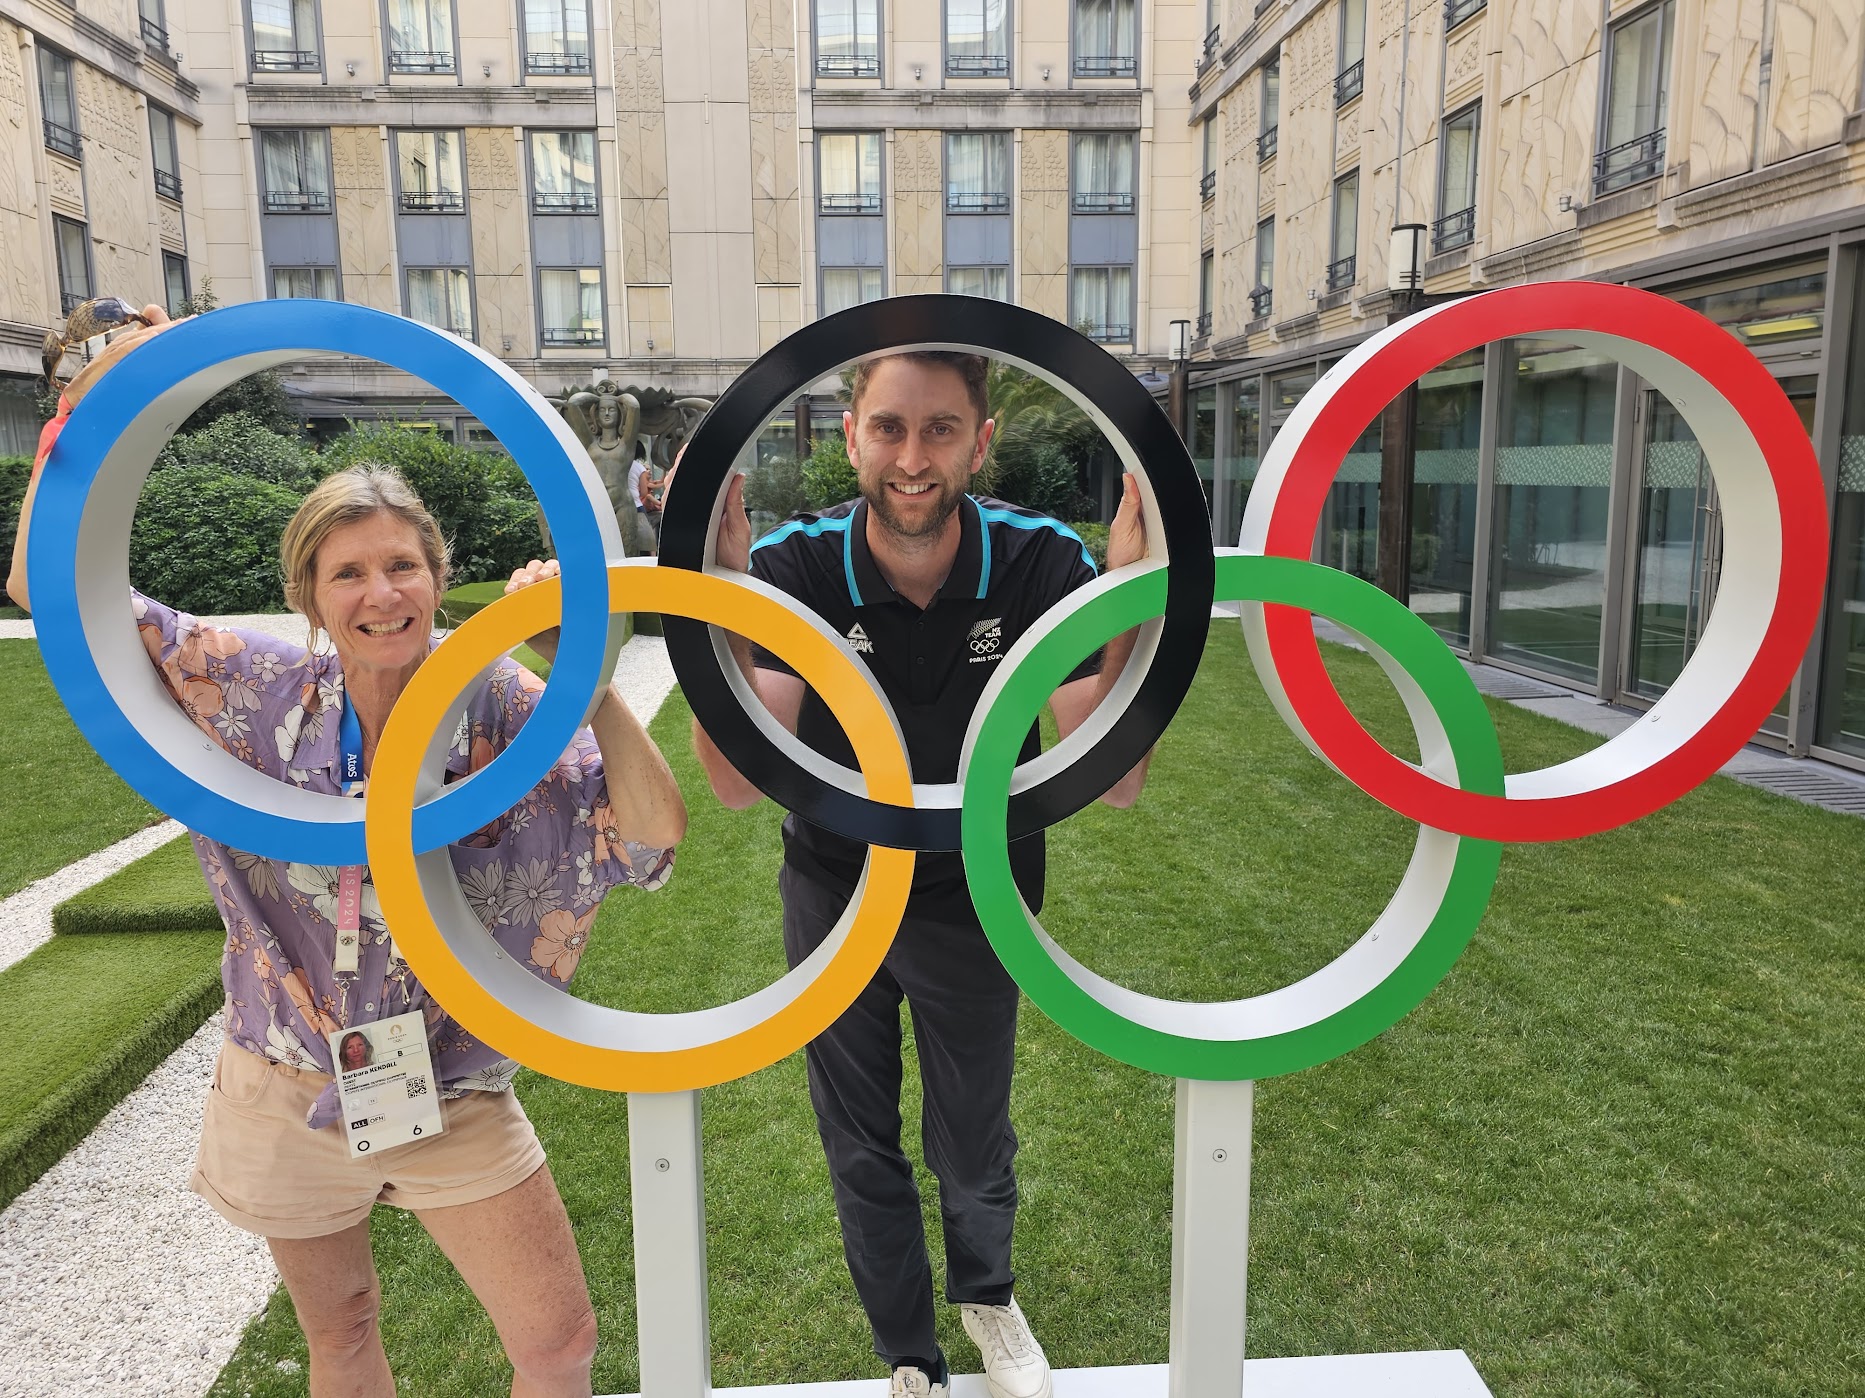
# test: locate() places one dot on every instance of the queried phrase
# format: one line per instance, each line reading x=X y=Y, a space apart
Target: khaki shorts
x=266 y=1171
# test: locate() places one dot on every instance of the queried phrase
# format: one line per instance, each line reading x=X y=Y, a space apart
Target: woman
x=366 y=564
x=354 y=1052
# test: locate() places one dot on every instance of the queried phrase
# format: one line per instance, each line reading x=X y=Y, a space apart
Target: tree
x=261 y=396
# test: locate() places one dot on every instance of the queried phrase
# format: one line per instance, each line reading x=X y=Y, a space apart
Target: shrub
x=260 y=396
x=241 y=444
x=15 y=472
x=1094 y=535
x=774 y=489
x=206 y=540
x=828 y=476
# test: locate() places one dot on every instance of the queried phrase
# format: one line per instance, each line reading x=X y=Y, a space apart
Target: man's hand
x=734 y=525
x=1126 y=536
x=545 y=642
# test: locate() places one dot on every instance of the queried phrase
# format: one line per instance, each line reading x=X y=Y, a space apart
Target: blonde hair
x=346 y=497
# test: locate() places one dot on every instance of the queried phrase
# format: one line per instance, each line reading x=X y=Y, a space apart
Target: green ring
x=1077 y=999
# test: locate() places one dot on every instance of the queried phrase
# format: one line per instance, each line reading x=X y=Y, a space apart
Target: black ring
x=980 y=326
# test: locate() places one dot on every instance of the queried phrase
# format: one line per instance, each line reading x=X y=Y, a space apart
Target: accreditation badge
x=385 y=1079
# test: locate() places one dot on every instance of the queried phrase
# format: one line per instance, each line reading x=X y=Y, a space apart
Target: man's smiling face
x=915 y=441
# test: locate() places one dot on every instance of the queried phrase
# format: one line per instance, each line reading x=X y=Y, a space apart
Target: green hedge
x=206 y=540
x=15 y=472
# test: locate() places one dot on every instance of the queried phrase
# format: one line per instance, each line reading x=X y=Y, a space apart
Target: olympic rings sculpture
x=1773 y=565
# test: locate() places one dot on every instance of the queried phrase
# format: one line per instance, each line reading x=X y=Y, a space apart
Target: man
x=932 y=587
x=642 y=486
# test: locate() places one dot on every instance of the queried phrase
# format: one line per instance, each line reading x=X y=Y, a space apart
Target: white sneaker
x=1014 y=1364
x=910 y=1381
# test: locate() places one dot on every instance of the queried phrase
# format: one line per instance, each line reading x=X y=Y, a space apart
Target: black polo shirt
x=1012 y=566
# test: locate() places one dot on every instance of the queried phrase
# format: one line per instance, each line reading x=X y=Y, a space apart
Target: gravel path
x=114 y=1277
x=26 y=917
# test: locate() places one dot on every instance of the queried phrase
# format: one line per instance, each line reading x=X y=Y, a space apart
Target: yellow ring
x=508 y=1008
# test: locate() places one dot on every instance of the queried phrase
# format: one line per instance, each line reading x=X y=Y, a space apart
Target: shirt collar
x=971 y=568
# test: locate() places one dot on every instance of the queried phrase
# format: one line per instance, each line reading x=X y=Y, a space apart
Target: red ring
x=1551 y=308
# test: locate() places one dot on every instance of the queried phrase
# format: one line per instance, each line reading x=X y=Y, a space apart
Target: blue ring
x=523 y=421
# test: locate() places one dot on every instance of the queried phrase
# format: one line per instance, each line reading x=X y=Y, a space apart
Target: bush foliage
x=15 y=472
x=242 y=445
x=206 y=540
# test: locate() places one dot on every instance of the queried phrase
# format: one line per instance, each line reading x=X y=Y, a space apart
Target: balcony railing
x=1203 y=327
x=285 y=61
x=555 y=63
x=298 y=201
x=1265 y=145
x=168 y=185
x=1632 y=162
x=1104 y=66
x=63 y=140
x=432 y=201
x=980 y=65
x=1341 y=273
x=410 y=61
x=865 y=65
x=576 y=201
x=958 y=202
x=154 y=35
x=1457 y=11
x=557 y=336
x=849 y=203
x=1262 y=302
x=1093 y=203
x=69 y=301
x=1350 y=83
x=1208 y=55
x=1454 y=230
x=1108 y=334
x=1207 y=186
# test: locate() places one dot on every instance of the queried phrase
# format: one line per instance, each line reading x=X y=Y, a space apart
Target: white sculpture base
x=1443 y=1373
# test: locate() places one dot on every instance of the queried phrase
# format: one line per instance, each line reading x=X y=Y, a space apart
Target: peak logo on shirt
x=985 y=638
x=859 y=640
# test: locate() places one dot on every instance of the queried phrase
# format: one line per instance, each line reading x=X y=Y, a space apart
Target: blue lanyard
x=350 y=734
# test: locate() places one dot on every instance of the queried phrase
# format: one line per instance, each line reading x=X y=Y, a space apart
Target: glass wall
x=1204 y=435
x=1444 y=495
x=1679 y=549
x=1237 y=468
x=1553 y=488
x=1841 y=719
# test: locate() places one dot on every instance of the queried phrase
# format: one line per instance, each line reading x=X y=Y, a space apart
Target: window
x=1262 y=295
x=1638 y=84
x=1341 y=260
x=284 y=36
x=843 y=287
x=991 y=282
x=429 y=166
x=977 y=172
x=1212 y=35
x=1101 y=302
x=1104 y=173
x=1457 y=11
x=848 y=39
x=556 y=36
x=299 y=283
x=73 y=244
x=563 y=172
x=1207 y=285
x=1272 y=108
x=59 y=101
x=977 y=38
x=154 y=25
x=1456 y=225
x=175 y=282
x=441 y=297
x=1350 y=76
x=571 y=300
x=295 y=171
x=851 y=173
x=1207 y=183
x=1104 y=39
x=162 y=143
x=420 y=36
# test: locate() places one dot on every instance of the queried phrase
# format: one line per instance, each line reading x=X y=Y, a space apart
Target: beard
x=928 y=515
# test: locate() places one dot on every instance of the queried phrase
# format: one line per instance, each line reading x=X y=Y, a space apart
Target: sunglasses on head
x=88 y=319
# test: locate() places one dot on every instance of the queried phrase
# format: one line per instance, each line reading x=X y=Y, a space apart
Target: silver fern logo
x=986 y=637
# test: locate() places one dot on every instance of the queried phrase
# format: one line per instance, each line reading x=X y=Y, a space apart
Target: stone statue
x=616 y=426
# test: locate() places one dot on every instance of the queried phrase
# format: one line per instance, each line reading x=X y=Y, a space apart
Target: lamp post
x=1177 y=395
x=1398 y=433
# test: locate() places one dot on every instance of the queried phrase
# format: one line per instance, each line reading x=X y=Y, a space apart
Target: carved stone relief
x=1463 y=63
x=117 y=180
x=1542 y=41
x=1814 y=84
x=168 y=219
x=66 y=181
x=360 y=182
x=1722 y=126
x=1042 y=214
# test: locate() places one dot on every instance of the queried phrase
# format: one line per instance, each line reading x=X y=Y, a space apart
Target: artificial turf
x=161 y=892
x=1616 y=1153
x=83 y=1020
x=62 y=802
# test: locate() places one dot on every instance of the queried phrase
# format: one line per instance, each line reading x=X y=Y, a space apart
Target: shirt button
x=370 y=1006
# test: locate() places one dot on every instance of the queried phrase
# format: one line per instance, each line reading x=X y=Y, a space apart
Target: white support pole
x=670 y=1244
x=1210 y=1237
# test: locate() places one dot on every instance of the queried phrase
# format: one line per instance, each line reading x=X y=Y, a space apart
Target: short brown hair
x=344 y=498
x=972 y=368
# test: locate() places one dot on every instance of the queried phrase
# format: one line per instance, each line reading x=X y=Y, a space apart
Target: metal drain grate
x=1814 y=788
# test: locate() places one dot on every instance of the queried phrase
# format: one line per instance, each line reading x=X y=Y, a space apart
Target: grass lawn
x=61 y=803
x=1617 y=1153
x=161 y=892
x=82 y=1021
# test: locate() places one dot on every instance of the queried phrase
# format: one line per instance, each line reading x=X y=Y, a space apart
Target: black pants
x=964 y=1007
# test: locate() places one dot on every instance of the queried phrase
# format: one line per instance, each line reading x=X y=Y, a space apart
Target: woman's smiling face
x=375 y=594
